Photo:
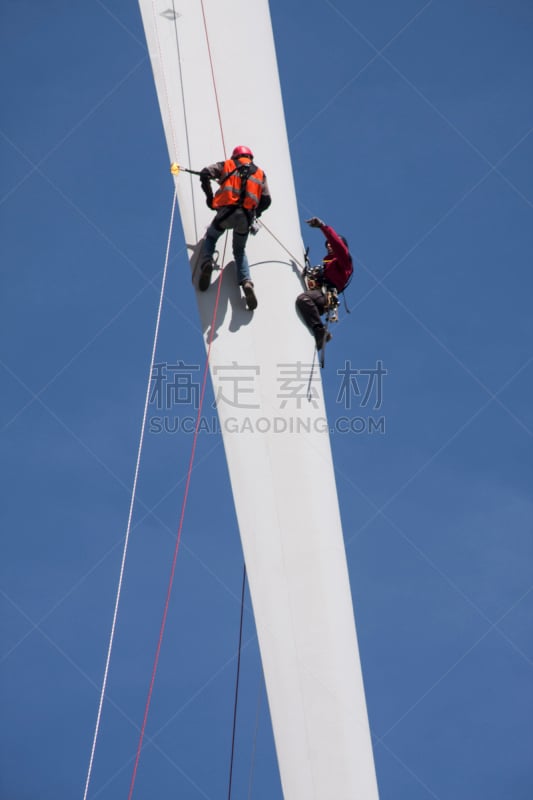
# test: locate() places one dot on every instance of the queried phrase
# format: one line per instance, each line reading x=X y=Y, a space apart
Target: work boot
x=205 y=274
x=321 y=337
x=251 y=299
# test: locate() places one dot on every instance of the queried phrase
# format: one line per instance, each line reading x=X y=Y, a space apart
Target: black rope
x=237 y=684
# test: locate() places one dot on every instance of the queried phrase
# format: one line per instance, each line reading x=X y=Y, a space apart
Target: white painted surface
x=282 y=479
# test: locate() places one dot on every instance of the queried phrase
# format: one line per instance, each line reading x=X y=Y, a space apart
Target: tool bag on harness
x=337 y=276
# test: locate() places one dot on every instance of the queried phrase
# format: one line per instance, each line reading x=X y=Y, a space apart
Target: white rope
x=132 y=503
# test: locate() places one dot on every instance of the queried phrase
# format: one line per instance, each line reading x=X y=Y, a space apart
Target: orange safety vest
x=230 y=190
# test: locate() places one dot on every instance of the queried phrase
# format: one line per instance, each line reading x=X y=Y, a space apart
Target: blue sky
x=410 y=127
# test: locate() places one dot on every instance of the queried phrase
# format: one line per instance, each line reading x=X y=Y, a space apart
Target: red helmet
x=240 y=151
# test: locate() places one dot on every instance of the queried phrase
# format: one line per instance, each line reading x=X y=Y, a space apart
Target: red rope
x=178 y=538
x=191 y=461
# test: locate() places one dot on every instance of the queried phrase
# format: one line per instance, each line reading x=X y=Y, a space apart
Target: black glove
x=315 y=222
x=205 y=183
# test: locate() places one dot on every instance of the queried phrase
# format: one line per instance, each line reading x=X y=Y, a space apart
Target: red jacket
x=338 y=266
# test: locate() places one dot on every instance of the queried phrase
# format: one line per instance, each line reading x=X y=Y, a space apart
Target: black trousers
x=311 y=305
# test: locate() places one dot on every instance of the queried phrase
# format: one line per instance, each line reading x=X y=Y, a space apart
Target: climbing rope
x=178 y=539
x=197 y=425
x=132 y=504
x=296 y=261
x=221 y=128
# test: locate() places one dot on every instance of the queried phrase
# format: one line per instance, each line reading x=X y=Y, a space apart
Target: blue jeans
x=238 y=220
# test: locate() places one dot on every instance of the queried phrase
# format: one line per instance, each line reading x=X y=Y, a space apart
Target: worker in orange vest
x=242 y=196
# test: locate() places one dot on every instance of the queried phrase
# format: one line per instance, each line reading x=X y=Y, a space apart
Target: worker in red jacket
x=332 y=275
x=242 y=196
